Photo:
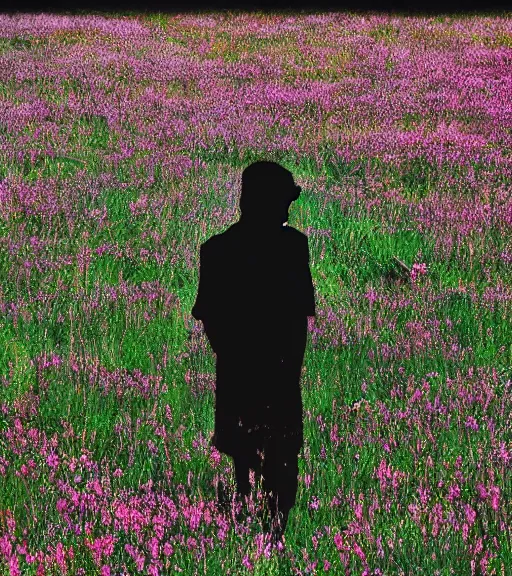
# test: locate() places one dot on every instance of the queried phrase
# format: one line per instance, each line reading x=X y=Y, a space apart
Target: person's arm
x=307 y=279
x=201 y=304
x=205 y=306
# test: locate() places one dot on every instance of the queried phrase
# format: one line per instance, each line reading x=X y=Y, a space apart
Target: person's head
x=268 y=189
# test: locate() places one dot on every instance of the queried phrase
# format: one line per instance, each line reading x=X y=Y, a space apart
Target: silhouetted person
x=255 y=294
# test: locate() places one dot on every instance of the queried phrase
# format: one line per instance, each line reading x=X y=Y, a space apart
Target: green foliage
x=351 y=251
x=158 y=18
x=385 y=31
x=15 y=357
x=15 y=43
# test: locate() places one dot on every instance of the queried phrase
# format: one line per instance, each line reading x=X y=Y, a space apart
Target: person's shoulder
x=218 y=240
x=207 y=246
x=295 y=234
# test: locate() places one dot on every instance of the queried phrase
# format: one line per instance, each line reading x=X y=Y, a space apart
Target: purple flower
x=472 y=423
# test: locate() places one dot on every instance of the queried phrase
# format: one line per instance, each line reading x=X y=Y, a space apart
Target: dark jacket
x=255 y=293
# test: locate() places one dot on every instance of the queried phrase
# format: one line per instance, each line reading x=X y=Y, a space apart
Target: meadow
x=122 y=142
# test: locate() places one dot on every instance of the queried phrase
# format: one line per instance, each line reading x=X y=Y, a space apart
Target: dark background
x=168 y=6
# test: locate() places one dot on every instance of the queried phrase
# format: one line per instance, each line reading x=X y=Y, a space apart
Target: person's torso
x=257 y=274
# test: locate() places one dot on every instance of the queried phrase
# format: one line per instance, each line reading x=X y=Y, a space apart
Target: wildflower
x=418 y=270
x=52 y=460
x=472 y=423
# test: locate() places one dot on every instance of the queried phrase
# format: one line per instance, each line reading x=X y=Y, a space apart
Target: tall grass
x=122 y=142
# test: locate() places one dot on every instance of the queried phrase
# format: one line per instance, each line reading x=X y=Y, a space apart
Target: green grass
x=359 y=254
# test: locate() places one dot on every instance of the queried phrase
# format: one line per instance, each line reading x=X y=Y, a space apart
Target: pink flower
x=215 y=457
x=153 y=547
x=191 y=543
x=471 y=423
x=453 y=493
x=13 y=566
x=418 y=270
x=470 y=514
x=495 y=497
x=338 y=542
x=59 y=557
x=504 y=454
x=380 y=549
x=53 y=460
x=359 y=551
x=465 y=531
x=371 y=295
x=482 y=491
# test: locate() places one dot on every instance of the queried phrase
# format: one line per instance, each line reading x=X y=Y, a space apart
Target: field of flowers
x=122 y=143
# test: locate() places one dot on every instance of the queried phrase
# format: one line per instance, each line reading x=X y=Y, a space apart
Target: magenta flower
x=495 y=496
x=418 y=270
x=338 y=542
x=471 y=423
x=52 y=460
x=359 y=551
